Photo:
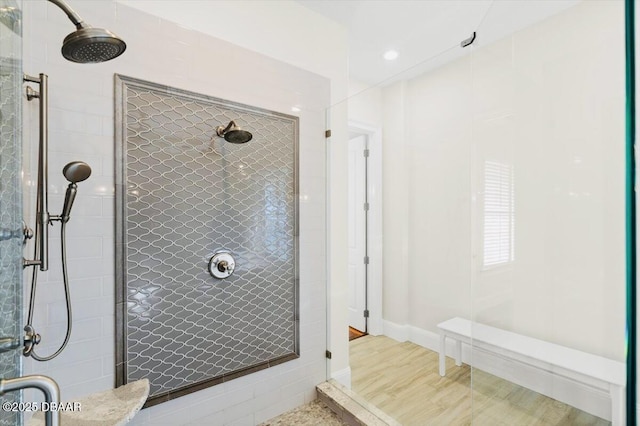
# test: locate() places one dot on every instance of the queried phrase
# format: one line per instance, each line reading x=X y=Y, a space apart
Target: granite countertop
x=113 y=407
x=312 y=414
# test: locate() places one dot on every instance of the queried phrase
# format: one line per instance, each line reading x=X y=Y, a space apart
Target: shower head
x=76 y=171
x=88 y=45
x=91 y=45
x=233 y=133
x=238 y=136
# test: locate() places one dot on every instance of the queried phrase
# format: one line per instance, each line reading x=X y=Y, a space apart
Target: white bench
x=595 y=371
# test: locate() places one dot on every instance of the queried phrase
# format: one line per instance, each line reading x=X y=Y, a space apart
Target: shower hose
x=34 y=281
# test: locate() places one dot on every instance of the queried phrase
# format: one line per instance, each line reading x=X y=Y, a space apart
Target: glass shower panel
x=547 y=177
x=10 y=200
x=418 y=232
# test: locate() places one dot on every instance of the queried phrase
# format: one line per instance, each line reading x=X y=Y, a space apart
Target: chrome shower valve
x=221 y=264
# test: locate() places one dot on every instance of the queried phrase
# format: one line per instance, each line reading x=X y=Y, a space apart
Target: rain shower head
x=91 y=45
x=87 y=44
x=233 y=133
x=76 y=171
x=238 y=136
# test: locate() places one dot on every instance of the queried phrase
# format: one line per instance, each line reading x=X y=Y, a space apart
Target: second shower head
x=233 y=133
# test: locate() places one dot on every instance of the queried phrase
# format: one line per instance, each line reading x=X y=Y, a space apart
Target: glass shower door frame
x=11 y=234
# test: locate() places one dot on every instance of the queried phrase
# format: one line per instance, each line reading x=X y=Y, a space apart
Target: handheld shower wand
x=74 y=172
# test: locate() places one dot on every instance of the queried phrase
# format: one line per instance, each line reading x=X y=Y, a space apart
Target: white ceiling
x=426 y=33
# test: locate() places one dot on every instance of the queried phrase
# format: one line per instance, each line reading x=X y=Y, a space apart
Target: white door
x=357 y=233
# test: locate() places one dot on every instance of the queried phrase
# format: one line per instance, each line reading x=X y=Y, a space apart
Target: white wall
x=396 y=227
x=552 y=106
x=565 y=138
x=364 y=104
x=438 y=158
x=81 y=127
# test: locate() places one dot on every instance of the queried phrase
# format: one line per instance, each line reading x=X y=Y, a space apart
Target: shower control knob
x=221 y=264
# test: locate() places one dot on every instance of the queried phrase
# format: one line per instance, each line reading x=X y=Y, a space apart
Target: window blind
x=498 y=212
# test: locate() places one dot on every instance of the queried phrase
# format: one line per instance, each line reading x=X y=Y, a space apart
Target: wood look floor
x=402 y=380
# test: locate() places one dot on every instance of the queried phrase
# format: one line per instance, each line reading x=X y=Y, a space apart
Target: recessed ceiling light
x=390 y=55
x=295 y=109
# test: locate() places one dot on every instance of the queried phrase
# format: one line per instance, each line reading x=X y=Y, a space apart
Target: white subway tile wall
x=82 y=128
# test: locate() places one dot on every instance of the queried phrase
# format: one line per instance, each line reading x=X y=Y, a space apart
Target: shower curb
x=351 y=408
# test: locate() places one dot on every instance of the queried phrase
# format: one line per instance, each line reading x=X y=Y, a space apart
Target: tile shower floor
x=313 y=414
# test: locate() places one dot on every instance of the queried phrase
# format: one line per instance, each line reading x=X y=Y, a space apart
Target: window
x=499 y=214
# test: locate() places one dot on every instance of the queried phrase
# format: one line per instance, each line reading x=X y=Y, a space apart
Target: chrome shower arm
x=230 y=125
x=73 y=16
x=220 y=131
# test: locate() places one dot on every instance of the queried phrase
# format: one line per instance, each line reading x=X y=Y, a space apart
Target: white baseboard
x=343 y=377
x=396 y=331
x=585 y=398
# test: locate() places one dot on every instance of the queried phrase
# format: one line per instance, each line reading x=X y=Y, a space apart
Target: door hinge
x=366 y=260
x=366 y=313
x=327 y=353
x=327 y=133
x=366 y=207
x=366 y=153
